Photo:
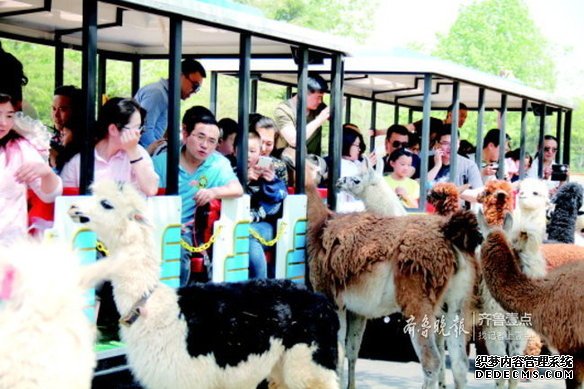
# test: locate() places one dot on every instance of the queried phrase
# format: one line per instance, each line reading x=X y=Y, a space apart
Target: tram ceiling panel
x=207 y=29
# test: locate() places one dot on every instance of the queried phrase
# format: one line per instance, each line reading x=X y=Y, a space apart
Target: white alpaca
x=45 y=339
x=206 y=335
x=532 y=205
x=373 y=190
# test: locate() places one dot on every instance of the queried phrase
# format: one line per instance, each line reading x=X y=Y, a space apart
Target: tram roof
x=141 y=27
x=397 y=76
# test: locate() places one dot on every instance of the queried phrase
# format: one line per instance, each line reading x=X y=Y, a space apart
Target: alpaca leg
x=440 y=343
x=355 y=329
x=425 y=346
x=518 y=336
x=300 y=371
x=342 y=337
x=456 y=341
x=495 y=341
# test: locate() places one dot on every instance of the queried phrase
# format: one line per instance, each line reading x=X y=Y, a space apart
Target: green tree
x=499 y=35
x=348 y=18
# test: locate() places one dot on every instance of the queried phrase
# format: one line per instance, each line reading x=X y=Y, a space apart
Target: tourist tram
x=254 y=50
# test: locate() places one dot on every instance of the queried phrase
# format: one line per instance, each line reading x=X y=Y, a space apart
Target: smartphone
x=264 y=161
x=559 y=172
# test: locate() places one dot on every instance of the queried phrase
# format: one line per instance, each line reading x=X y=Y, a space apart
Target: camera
x=560 y=172
x=264 y=161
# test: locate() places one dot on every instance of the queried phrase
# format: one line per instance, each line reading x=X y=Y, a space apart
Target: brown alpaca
x=497 y=200
x=373 y=266
x=559 y=254
x=555 y=302
x=445 y=197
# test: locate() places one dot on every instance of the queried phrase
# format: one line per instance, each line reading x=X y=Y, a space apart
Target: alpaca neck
x=140 y=272
x=382 y=200
x=510 y=287
x=317 y=211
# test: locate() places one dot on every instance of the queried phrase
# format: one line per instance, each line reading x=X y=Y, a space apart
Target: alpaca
x=207 y=335
x=567 y=203
x=497 y=200
x=554 y=302
x=508 y=339
x=559 y=254
x=445 y=197
x=375 y=192
x=46 y=341
x=532 y=205
x=374 y=266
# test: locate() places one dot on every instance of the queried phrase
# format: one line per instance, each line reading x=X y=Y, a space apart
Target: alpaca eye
x=356 y=181
x=106 y=204
x=535 y=193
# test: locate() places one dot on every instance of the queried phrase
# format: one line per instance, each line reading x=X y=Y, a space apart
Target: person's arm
x=154 y=102
x=228 y=191
x=475 y=181
x=70 y=173
x=287 y=124
x=41 y=179
x=140 y=162
x=437 y=165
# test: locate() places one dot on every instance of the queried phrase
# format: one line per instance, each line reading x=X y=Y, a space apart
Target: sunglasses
x=397 y=144
x=548 y=149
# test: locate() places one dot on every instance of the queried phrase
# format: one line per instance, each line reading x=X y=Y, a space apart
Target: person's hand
x=438 y=154
x=268 y=173
x=154 y=145
x=129 y=138
x=372 y=159
x=30 y=171
x=547 y=172
x=489 y=170
x=253 y=173
x=324 y=114
x=204 y=196
x=401 y=192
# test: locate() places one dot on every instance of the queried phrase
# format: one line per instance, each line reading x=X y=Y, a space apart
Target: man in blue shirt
x=204 y=174
x=154 y=99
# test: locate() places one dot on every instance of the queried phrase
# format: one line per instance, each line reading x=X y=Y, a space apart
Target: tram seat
x=205 y=218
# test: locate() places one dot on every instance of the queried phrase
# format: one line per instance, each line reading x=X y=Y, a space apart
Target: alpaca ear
x=483 y=226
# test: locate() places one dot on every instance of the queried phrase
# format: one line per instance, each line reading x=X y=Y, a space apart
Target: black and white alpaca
x=567 y=203
x=207 y=335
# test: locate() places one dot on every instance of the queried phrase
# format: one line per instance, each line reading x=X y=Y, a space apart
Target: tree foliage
x=349 y=18
x=496 y=36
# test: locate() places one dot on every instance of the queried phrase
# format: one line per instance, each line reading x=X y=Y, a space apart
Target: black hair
x=397 y=129
x=257 y=120
x=445 y=130
x=70 y=91
x=6 y=98
x=493 y=137
x=315 y=83
x=116 y=111
x=228 y=126
x=550 y=137
x=13 y=77
x=395 y=154
x=349 y=136
x=461 y=107
x=197 y=114
x=190 y=65
x=465 y=148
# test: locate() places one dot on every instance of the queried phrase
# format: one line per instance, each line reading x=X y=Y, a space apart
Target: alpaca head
x=445 y=197
x=569 y=198
x=115 y=211
x=497 y=199
x=533 y=195
x=367 y=178
x=37 y=277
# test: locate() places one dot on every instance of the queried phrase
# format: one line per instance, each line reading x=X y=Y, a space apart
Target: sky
x=560 y=21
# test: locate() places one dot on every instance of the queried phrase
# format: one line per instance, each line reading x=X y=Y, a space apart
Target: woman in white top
x=550 y=149
x=351 y=156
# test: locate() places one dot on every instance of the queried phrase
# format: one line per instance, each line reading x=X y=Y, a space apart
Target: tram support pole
x=425 y=141
x=243 y=107
x=502 y=137
x=480 y=128
x=522 y=139
x=88 y=86
x=454 y=130
x=213 y=93
x=540 y=143
x=300 y=179
x=336 y=131
x=174 y=73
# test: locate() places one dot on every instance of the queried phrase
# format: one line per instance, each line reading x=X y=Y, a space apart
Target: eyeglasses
x=202 y=139
x=195 y=86
x=357 y=145
x=548 y=149
x=397 y=144
x=141 y=128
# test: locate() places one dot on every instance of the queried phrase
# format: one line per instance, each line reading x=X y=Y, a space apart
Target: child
x=267 y=192
x=21 y=167
x=407 y=189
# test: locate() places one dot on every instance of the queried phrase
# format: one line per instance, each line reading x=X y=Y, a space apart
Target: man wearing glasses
x=154 y=99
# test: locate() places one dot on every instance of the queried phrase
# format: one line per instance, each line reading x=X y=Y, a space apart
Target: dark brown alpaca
x=373 y=266
x=555 y=302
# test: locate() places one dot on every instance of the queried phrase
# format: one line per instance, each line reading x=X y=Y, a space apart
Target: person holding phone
x=550 y=149
x=267 y=193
